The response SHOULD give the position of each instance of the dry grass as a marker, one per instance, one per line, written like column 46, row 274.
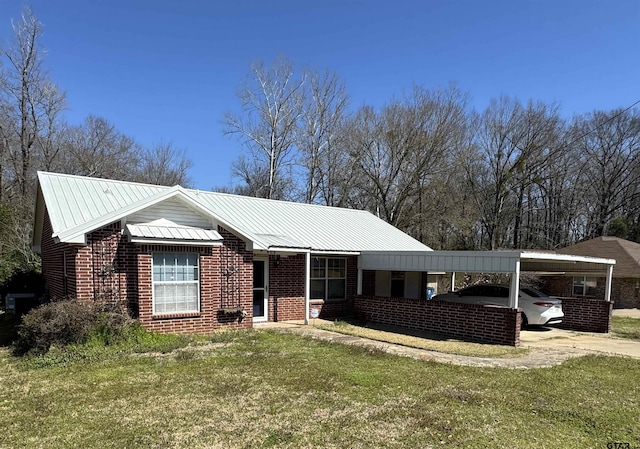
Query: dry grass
column 422, row 340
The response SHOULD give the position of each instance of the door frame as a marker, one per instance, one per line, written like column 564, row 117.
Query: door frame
column 265, row 260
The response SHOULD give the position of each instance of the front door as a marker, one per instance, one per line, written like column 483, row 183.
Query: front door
column 260, row 290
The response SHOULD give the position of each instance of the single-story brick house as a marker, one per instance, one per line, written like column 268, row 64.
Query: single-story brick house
column 188, row 261
column 625, row 286
column 191, row 261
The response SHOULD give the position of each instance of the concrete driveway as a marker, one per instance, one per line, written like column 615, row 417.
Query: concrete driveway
column 552, row 338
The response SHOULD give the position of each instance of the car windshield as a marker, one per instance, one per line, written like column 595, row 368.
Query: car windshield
column 533, row 293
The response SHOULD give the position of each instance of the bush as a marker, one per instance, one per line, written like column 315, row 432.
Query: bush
column 68, row 322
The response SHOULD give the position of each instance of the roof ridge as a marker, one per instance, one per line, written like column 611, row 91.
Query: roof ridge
column 272, row 200
column 199, row 191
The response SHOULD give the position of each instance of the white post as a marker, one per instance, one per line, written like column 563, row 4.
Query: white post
column 453, row 281
column 607, row 288
column 307, row 287
column 514, row 291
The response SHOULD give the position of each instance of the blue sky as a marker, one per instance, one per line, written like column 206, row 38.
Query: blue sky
column 167, row 71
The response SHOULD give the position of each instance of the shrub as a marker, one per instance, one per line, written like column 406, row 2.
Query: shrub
column 68, row 322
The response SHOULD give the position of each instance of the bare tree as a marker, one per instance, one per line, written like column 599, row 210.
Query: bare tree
column 96, row 148
column 609, row 144
column 324, row 105
column 271, row 102
column 399, row 149
column 164, row 165
column 29, row 104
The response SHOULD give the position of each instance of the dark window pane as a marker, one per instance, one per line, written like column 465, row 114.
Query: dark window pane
column 336, row 288
column 317, row 289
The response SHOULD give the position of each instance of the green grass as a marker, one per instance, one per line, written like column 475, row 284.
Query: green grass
column 626, row 327
column 422, row 340
column 258, row 389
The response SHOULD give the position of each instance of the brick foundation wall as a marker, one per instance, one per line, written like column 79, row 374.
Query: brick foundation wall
column 586, row 315
column 495, row 325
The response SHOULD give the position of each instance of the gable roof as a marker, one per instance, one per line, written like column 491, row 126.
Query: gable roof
column 77, row 205
column 625, row 252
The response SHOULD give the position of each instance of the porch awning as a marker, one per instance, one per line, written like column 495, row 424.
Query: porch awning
column 166, row 231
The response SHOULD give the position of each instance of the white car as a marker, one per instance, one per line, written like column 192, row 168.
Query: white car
column 538, row 308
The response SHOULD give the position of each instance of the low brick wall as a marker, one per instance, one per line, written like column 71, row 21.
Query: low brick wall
column 586, row 315
column 485, row 324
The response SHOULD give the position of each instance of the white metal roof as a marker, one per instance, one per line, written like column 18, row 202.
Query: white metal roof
column 482, row 261
column 77, row 205
column 166, row 230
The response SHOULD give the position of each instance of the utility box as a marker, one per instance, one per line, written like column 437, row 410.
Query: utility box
column 20, row 303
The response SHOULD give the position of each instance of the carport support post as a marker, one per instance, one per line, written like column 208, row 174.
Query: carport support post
column 307, row 286
column 453, row 281
column 515, row 286
column 607, row 288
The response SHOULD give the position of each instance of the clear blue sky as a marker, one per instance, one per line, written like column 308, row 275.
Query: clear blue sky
column 165, row 70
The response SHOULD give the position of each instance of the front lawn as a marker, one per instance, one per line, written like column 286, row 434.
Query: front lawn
column 263, row 389
column 626, row 327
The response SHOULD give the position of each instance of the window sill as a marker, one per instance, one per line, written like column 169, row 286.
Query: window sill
column 170, row 316
column 325, row 301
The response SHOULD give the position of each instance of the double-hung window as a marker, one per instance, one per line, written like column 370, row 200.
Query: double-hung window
column 328, row 278
column 175, row 283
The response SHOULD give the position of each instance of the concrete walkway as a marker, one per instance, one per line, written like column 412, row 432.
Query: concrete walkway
column 546, row 349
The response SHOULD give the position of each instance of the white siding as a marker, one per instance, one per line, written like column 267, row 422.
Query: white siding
column 174, row 210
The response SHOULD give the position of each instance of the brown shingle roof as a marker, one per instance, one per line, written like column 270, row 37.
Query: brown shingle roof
column 626, row 253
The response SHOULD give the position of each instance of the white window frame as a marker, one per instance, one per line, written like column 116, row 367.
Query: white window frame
column 326, row 278
column 195, row 282
column 584, row 284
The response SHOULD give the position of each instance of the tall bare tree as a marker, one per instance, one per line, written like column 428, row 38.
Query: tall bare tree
column 271, row 101
column 29, row 105
column 403, row 146
column 324, row 104
column 609, row 144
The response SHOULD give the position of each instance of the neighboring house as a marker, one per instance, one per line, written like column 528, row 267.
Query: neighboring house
column 191, row 261
column 625, row 286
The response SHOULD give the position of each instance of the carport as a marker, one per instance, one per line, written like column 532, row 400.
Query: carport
column 419, row 315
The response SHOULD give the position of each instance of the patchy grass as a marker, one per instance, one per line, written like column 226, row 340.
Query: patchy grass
column 626, row 327
column 258, row 389
column 422, row 340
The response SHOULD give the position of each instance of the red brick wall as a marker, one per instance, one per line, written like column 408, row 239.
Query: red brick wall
column 586, row 315
column 53, row 256
column 496, row 325
column 286, row 287
column 624, row 293
column 215, row 293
